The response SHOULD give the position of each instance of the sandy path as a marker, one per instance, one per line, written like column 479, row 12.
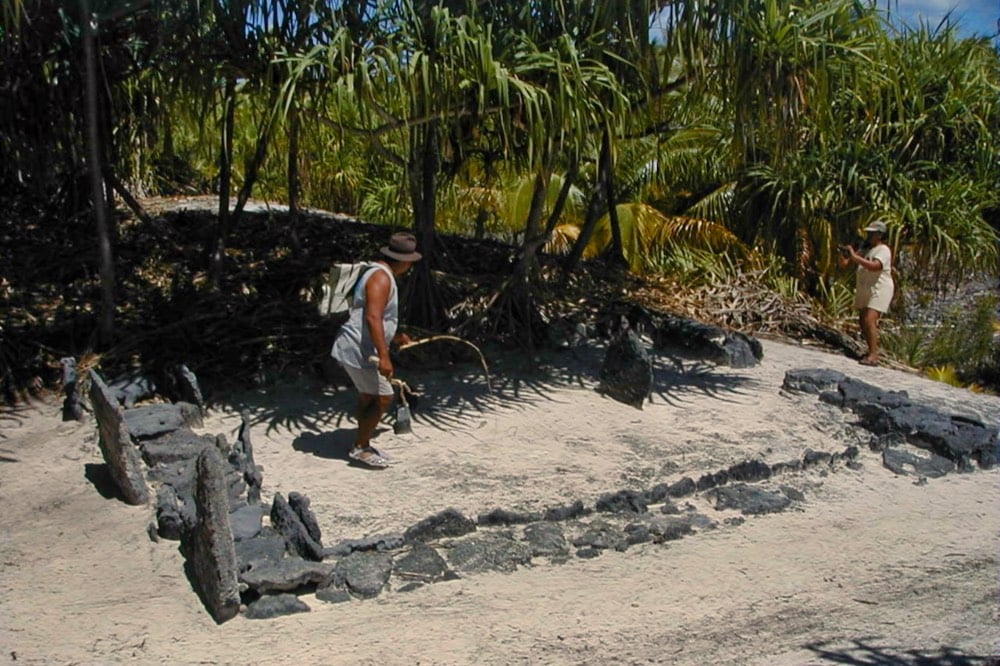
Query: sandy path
column 871, row 566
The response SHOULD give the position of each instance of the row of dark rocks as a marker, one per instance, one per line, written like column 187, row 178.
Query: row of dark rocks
column 209, row 498
column 910, row 435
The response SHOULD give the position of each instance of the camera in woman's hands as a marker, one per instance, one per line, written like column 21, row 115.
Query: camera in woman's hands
column 845, row 250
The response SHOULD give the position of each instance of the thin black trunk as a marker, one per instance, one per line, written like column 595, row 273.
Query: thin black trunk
column 425, row 308
column 595, row 209
column 126, row 196
column 97, row 193
column 259, row 155
column 225, row 181
column 533, row 236
column 616, row 251
column 294, row 181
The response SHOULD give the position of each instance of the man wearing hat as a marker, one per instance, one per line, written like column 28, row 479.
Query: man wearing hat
column 362, row 345
column 874, row 285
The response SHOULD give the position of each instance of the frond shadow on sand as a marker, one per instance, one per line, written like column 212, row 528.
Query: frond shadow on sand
column 449, row 397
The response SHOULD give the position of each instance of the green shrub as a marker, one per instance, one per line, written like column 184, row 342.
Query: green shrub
column 965, row 337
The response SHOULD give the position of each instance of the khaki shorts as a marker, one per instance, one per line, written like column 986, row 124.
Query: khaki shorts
column 368, row 380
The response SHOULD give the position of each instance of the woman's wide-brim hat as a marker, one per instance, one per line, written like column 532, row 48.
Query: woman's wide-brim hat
column 402, row 247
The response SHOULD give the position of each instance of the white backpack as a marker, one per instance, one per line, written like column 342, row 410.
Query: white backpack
column 337, row 291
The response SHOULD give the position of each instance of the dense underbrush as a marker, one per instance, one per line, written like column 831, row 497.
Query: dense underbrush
column 260, row 324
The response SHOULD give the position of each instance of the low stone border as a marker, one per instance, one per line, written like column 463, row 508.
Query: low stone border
column 208, row 497
column 953, row 442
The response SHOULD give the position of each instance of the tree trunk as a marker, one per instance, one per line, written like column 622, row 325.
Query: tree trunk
column 425, row 308
column 225, row 181
column 126, row 196
column 294, row 181
column 534, row 238
column 97, row 193
column 616, row 251
column 530, row 248
column 594, row 210
column 259, row 155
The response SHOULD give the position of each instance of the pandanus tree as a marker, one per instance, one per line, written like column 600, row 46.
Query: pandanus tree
column 778, row 66
column 57, row 63
column 413, row 91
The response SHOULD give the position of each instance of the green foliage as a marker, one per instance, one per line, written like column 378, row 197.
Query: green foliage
column 835, row 299
column 965, row 337
column 964, row 342
column 770, row 124
column 907, row 343
column 944, row 373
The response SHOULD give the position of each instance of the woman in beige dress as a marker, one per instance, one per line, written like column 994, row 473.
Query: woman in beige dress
column 874, row 285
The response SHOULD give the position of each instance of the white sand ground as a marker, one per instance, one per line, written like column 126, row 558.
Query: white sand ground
column 872, row 568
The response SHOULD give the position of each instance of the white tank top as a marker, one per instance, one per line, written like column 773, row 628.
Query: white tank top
column 354, row 345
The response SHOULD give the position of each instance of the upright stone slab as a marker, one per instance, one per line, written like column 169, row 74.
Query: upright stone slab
column 627, row 371
column 190, row 389
column 72, row 409
column 209, row 545
column 116, row 445
column 242, row 459
column 287, row 522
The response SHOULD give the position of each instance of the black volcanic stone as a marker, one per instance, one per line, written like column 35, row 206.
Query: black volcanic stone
column 208, row 545
column 669, row 508
column 601, row 535
column 115, row 442
column 288, row 523
column 169, row 523
column 275, row 605
column 72, row 408
column 151, row 421
column 546, row 540
column 505, row 517
column 422, row 563
column 812, row 458
column 750, row 500
column 333, row 595
column 285, row 575
column 930, row 465
column 363, row 574
column 658, row 493
column 381, row 542
column 176, row 446
column 488, row 552
column 627, row 372
column 749, row 471
column 636, row 533
column 787, row 466
column 812, row 380
column 669, row 528
column 447, row 523
column 245, row 521
column 682, row 488
column 266, row 547
column 712, row 480
column 300, row 505
column 566, row 512
column 623, row 501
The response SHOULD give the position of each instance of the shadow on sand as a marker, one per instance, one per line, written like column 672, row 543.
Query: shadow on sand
column 330, row 445
column 450, row 397
column 99, row 474
column 865, row 652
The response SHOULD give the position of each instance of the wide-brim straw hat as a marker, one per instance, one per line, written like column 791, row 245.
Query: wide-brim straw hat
column 402, row 247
